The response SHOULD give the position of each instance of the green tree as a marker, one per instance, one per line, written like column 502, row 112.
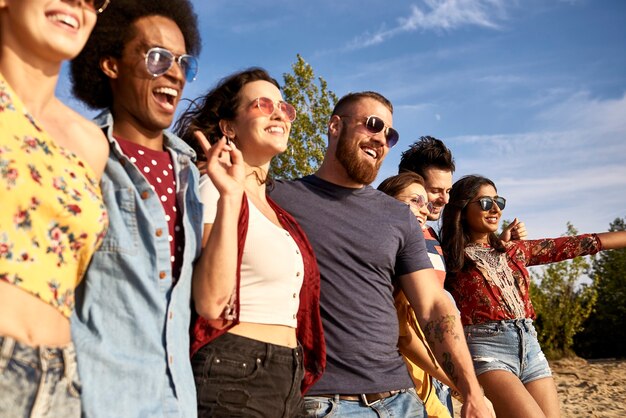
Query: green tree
column 314, row 103
column 562, row 303
column 605, row 330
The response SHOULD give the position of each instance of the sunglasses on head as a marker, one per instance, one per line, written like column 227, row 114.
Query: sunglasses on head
column 160, row 60
column 267, row 106
column 418, row 202
column 96, row 6
column 486, row 203
column 374, row 125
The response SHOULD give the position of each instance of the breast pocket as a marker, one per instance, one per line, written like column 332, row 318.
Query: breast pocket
column 123, row 233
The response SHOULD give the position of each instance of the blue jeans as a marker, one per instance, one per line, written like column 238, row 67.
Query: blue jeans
column 38, row 381
column 509, row 345
column 443, row 393
column 242, row 377
column 404, row 404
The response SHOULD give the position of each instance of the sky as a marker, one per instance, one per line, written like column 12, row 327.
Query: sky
column 530, row 93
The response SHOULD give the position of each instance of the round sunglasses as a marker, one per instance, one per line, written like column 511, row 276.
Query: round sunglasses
column 486, row 203
column 374, row 125
column 418, row 202
column 267, row 106
column 96, row 6
column 160, row 60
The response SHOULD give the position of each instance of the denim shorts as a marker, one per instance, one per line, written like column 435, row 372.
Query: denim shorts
column 406, row 403
column 38, row 381
column 240, row 377
column 510, row 345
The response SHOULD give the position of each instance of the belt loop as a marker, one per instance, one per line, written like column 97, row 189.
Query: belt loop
column 69, row 364
column 6, row 352
column 269, row 352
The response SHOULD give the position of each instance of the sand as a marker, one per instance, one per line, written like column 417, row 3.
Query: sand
column 589, row 389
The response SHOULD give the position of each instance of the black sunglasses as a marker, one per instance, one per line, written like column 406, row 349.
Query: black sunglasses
column 486, row 203
column 374, row 125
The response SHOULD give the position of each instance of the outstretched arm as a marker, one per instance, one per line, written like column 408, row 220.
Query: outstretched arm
column 613, row 240
column 443, row 331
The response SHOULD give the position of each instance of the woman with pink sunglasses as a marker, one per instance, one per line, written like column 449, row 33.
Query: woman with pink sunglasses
column 257, row 342
column 52, row 217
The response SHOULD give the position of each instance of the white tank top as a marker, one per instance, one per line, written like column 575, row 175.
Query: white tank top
column 272, row 268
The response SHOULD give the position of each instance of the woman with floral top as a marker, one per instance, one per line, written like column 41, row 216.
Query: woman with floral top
column 490, row 283
column 52, row 217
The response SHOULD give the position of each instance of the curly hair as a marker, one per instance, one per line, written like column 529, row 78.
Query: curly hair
column 113, row 30
column 454, row 229
column 424, row 153
column 394, row 185
column 221, row 102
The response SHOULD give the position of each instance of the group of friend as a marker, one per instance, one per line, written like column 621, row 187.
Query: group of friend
column 133, row 284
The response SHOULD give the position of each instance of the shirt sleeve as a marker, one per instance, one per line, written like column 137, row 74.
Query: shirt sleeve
column 209, row 195
column 552, row 250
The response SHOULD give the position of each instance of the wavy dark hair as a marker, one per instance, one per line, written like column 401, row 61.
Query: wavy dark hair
column 221, row 102
column 394, row 185
column 113, row 30
column 454, row 229
column 426, row 152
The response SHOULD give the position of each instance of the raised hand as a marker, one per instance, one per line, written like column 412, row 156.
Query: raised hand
column 225, row 165
column 516, row 230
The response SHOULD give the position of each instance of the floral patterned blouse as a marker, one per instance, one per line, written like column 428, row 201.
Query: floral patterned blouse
column 52, row 217
column 496, row 285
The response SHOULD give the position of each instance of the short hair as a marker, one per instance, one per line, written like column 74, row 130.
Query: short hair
column 394, row 185
column 424, row 153
column 113, row 30
column 221, row 102
column 350, row 98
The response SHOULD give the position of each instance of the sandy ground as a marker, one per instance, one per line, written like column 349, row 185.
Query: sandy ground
column 589, row 389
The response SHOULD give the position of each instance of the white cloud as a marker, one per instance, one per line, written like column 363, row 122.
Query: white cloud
column 440, row 15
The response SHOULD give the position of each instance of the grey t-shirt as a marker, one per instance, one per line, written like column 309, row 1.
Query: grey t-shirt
column 362, row 239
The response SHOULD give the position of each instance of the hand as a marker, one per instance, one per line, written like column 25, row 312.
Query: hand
column 515, row 230
column 225, row 165
column 482, row 408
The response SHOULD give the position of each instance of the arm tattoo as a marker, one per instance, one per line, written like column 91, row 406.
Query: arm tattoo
column 448, row 367
column 436, row 330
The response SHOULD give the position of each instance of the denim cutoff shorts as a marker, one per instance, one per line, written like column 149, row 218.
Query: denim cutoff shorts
column 509, row 345
column 38, row 382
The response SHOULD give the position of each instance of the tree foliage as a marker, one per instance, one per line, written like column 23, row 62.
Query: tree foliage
column 605, row 330
column 562, row 303
column 314, row 103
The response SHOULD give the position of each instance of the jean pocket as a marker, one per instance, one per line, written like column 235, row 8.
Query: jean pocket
column 223, row 365
column 318, row 407
column 123, row 233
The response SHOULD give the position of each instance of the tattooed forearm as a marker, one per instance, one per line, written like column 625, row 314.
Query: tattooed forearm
column 448, row 367
column 436, row 330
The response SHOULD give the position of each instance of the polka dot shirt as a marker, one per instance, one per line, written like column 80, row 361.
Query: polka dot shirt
column 158, row 169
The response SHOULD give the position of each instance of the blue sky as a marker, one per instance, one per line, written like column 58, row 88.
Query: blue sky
column 530, row 93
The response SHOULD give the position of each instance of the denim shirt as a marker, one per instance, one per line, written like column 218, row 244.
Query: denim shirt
column 131, row 326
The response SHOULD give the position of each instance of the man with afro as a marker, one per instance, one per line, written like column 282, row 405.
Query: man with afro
column 131, row 326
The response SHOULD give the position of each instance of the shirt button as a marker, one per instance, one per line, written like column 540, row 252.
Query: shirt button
column 171, row 359
column 162, row 275
column 294, row 316
column 159, row 232
column 297, row 251
column 145, row 194
column 298, row 274
column 171, row 315
column 294, row 295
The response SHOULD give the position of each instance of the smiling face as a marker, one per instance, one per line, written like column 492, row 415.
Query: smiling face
column 142, row 103
column 359, row 151
column 481, row 223
column 50, row 30
column 259, row 136
column 411, row 193
column 438, row 185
